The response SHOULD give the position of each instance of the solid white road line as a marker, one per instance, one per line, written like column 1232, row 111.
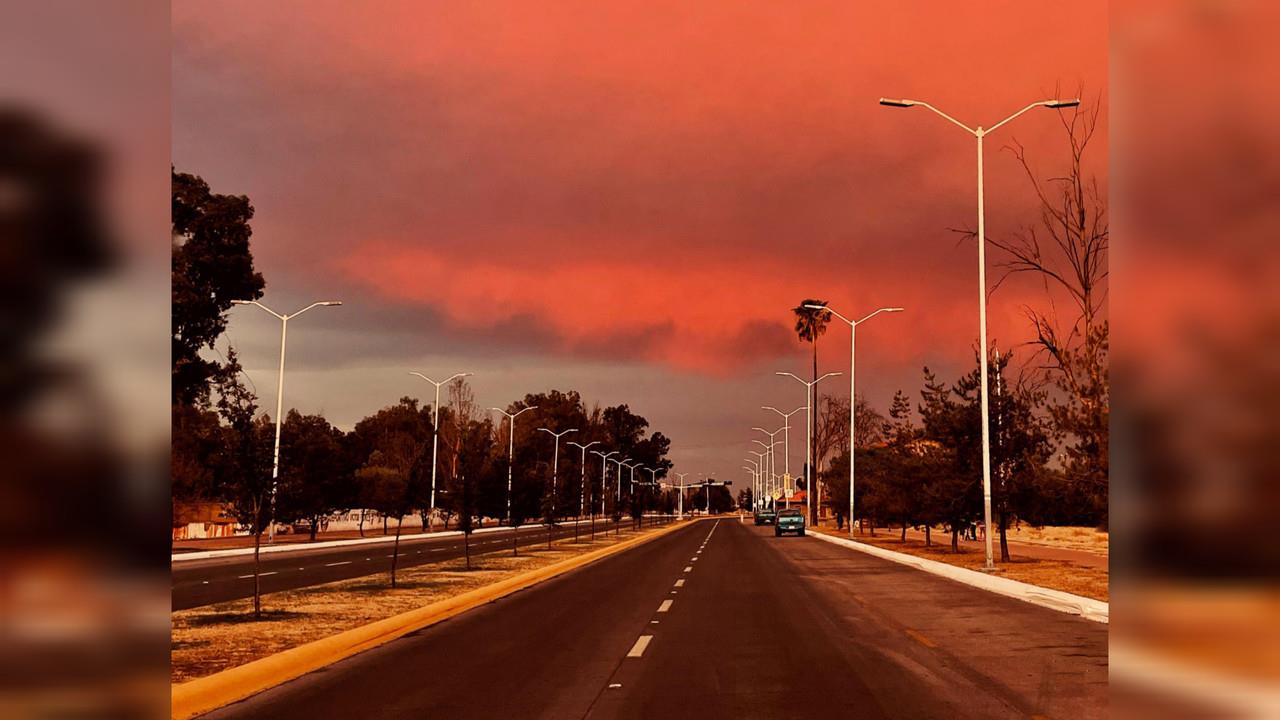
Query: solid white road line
column 637, row 650
column 665, row 606
column 335, row 564
column 265, row 574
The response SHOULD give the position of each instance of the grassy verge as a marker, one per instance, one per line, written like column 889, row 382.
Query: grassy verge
column 209, row 639
column 1056, row 574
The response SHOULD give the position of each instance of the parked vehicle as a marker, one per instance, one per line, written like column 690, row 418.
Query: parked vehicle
column 789, row 521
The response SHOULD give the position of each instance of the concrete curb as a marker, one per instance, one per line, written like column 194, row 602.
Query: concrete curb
column 202, row 695
column 1088, row 608
column 351, row 542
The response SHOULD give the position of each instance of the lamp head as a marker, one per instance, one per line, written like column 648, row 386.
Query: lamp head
column 893, row 102
column 1062, row 103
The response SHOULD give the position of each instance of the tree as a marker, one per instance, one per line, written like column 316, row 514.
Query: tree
column 396, row 442
column 211, row 266
column 745, row 499
column 320, row 477
column 810, row 324
column 1068, row 255
column 956, row 490
column 474, row 462
column 243, row 462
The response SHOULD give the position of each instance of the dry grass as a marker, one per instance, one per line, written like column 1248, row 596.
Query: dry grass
column 1055, row 574
column 1074, row 538
column 216, row 637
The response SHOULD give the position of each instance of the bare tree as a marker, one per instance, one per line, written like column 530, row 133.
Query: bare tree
column 1066, row 252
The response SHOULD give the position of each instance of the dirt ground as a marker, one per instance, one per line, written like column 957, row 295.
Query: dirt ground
column 209, row 639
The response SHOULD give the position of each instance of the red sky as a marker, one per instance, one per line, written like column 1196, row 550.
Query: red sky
column 628, row 189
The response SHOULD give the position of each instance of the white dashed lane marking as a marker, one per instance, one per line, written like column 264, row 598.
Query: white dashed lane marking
column 335, row 564
column 688, row 568
column 638, row 649
column 665, row 606
column 680, row 582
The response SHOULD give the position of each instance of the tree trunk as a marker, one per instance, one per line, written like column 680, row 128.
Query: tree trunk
column 928, row 539
column 315, row 525
column 955, row 539
column 395, row 553
column 1004, row 539
column 515, row 540
column 466, row 548
column 904, row 530
column 384, row 524
column 810, row 490
column 361, row 522
column 257, row 588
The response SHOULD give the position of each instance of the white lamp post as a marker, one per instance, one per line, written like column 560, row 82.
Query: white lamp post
column 762, row 470
column 284, row 336
column 853, row 344
column 809, row 481
column 680, row 491
column 511, row 448
column 786, row 437
column 582, row 491
column 435, row 439
column 604, row 486
column 980, row 133
column 773, row 455
column 555, row 464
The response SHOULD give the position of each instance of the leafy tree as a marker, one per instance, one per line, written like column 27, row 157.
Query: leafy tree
column 810, row 325
column 211, row 266
column 474, row 462
column 319, row 477
column 243, row 464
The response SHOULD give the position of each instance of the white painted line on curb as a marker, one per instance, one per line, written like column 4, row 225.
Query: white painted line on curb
column 637, row 650
column 665, row 606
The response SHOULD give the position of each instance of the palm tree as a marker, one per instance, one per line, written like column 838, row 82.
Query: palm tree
column 811, row 323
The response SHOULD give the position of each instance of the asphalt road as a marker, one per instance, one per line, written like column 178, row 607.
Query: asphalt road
column 723, row 620
column 204, row 582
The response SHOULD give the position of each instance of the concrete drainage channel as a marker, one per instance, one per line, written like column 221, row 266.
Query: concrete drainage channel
column 1088, row 608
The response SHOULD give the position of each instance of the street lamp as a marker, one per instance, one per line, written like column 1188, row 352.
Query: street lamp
column 786, row 437
column 769, row 464
column 755, row 484
column 762, row 471
column 435, row 439
column 511, row 448
column 604, row 486
column 631, row 478
column 680, row 491
column 582, row 494
column 980, row 133
column 284, row 335
column 555, row 464
column 809, row 481
column 853, row 343
column 773, row 456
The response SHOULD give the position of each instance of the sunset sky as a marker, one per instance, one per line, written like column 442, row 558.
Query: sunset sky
column 625, row 199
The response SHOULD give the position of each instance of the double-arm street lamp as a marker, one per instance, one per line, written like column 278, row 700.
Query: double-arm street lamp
column 555, row 464
column 604, row 486
column 284, row 319
column 511, row 448
column 773, row 455
column 762, row 470
column 853, row 401
column 435, row 439
column 582, row 496
column 810, row 480
column 786, row 437
column 980, row 133
column 755, row 486
column 769, row 464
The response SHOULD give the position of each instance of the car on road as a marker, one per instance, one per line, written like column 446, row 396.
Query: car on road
column 789, row 521
column 766, row 517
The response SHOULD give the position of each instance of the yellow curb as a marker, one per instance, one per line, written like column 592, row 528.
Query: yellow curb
column 211, row 692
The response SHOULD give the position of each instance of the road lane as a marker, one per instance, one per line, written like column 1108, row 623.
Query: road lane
column 756, row 627
column 203, row 582
column 545, row 652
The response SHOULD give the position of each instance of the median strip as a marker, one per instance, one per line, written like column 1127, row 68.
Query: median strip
column 204, row 694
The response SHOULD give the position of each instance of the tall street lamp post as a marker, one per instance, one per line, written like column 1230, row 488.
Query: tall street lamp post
column 786, row 437
column 604, row 487
column 853, row 344
column 555, row 464
column 809, row 479
column 582, row 493
column 284, row 319
column 980, row 133
column 511, row 448
column 435, row 439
